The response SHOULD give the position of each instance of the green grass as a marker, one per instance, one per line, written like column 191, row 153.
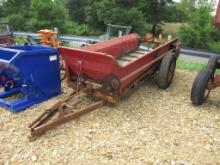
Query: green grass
column 188, row 65
column 192, row 66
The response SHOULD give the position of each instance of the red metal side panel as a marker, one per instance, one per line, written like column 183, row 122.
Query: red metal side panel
column 117, row 46
column 217, row 16
column 91, row 65
column 134, row 70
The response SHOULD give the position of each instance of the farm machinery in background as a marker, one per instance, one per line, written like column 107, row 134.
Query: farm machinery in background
column 49, row 37
column 29, row 74
column 207, row 79
column 104, row 73
column 6, row 35
column 115, row 31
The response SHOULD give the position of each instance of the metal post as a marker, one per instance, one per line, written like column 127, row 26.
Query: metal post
column 57, row 36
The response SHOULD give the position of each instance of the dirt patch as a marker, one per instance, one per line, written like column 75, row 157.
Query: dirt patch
column 152, row 126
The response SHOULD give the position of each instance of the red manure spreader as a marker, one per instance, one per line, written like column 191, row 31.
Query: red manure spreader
column 107, row 71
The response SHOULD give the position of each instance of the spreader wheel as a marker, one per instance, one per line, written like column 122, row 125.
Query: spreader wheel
column 167, row 70
column 200, row 90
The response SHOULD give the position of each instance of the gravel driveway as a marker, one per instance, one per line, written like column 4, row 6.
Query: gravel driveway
column 152, row 126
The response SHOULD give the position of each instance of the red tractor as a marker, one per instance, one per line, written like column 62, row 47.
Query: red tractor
column 6, row 36
column 207, row 79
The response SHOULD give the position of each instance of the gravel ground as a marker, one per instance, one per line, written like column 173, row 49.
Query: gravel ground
column 152, row 126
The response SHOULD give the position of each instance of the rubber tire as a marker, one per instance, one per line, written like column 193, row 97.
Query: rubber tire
column 213, row 60
column 163, row 81
column 200, row 85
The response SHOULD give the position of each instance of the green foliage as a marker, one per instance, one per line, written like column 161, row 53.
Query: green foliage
column 215, row 35
column 90, row 17
column 77, row 10
column 197, row 33
column 97, row 14
column 214, row 46
column 33, row 15
column 16, row 20
column 20, row 40
column 1, row 13
column 155, row 13
column 19, row 7
column 100, row 13
column 178, row 12
column 84, row 17
column 16, row 12
column 74, row 28
column 111, row 12
column 186, row 7
column 47, row 14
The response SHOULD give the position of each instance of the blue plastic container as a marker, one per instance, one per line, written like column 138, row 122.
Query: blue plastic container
column 31, row 73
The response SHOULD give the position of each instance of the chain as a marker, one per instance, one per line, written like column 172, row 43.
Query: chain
column 78, row 81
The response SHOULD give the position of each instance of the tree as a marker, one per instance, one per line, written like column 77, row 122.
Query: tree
column 16, row 12
column 187, row 6
column 77, row 10
column 180, row 12
column 32, row 15
column 197, row 33
column 84, row 16
column 1, row 12
column 121, row 12
column 155, row 13
column 48, row 14
column 98, row 13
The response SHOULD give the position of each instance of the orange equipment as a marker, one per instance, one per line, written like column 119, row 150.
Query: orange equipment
column 49, row 37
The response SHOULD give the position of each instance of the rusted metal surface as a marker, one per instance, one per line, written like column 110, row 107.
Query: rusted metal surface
column 215, row 83
column 63, row 117
column 59, row 112
column 6, row 39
